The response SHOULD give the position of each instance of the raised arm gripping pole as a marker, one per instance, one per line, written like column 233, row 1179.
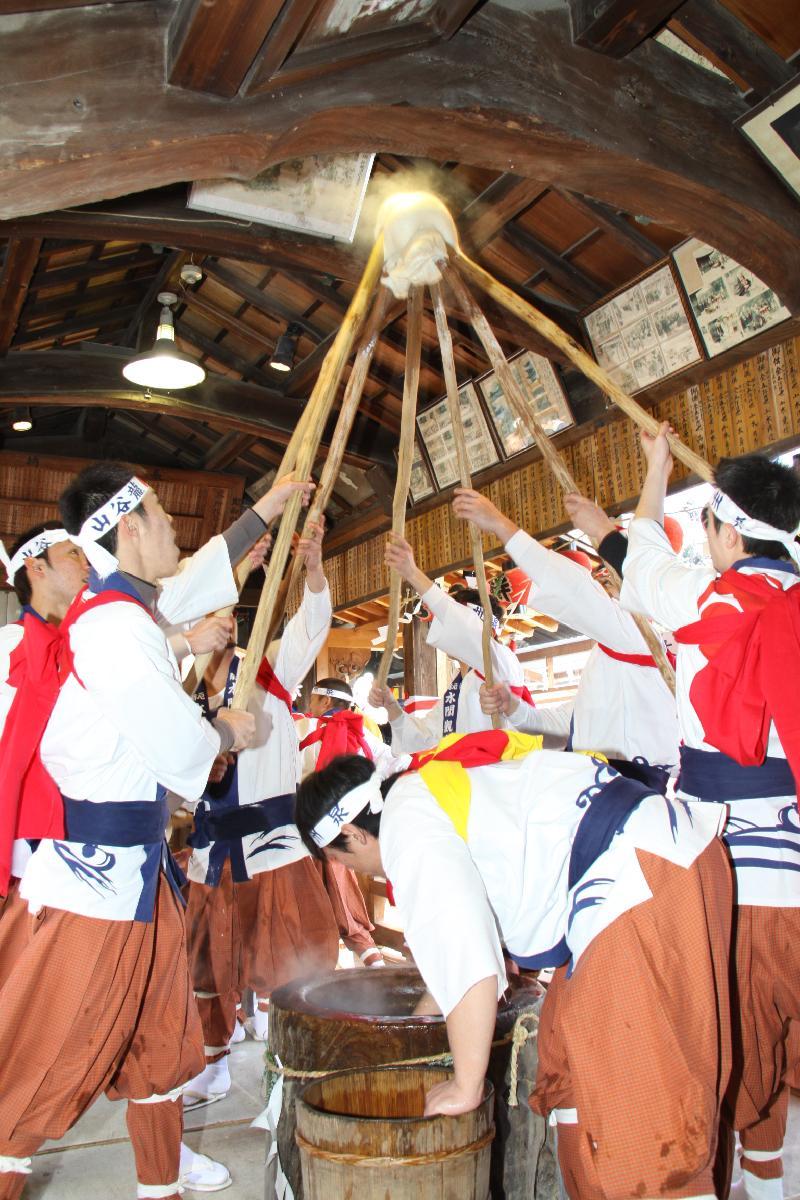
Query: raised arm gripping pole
column 404, row 461
column 454, row 410
column 305, row 448
column 584, row 362
column 524, row 412
column 200, row 665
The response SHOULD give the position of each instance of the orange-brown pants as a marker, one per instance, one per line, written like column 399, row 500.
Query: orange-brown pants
column 14, row 917
column 634, row 1046
column 259, row 935
column 766, row 1041
column 93, row 1006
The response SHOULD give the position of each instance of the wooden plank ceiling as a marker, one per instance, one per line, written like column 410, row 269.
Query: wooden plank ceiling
column 78, row 286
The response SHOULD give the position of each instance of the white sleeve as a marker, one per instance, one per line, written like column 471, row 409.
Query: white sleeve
column 302, row 639
column 10, row 638
column 458, row 631
column 121, row 659
column 656, row 582
column 551, row 720
column 567, row 592
column 410, row 734
column 441, row 898
column 386, row 762
column 203, row 583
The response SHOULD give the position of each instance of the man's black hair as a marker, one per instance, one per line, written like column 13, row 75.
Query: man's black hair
column 318, row 793
column 766, row 491
column 339, row 685
column 465, row 595
column 20, row 583
column 90, row 490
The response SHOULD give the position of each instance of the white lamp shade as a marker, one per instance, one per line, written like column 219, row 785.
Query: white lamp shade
column 164, row 368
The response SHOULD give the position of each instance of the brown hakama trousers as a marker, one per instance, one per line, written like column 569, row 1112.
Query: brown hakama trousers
column 349, row 909
column 93, row 1006
column 257, row 934
column 637, row 1040
column 766, row 1040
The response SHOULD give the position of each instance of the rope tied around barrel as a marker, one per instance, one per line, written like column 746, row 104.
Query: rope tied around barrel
column 520, row 1034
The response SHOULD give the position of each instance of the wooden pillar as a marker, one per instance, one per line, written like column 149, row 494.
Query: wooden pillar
column 419, row 660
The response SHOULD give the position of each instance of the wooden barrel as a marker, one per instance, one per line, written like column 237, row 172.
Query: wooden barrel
column 362, row 1133
column 350, row 1019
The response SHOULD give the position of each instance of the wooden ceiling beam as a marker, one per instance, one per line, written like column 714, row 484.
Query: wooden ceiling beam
column 228, row 322
column 74, row 302
column 612, row 222
column 502, row 201
column 650, row 135
column 227, row 450
column 260, row 300
column 212, row 43
column 207, row 347
column 110, row 318
column 19, row 266
column 615, row 27
column 97, row 267
column 565, row 274
column 93, row 378
column 710, row 26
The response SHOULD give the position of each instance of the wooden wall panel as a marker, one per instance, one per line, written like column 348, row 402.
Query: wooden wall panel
column 753, row 405
column 202, row 503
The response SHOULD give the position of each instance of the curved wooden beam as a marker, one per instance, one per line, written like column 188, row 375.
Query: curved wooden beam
column 652, row 134
column 94, row 379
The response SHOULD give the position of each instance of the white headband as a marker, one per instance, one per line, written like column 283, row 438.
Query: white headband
column 478, row 608
column 366, row 795
column 321, row 691
column 31, row 549
column 729, row 513
column 107, row 517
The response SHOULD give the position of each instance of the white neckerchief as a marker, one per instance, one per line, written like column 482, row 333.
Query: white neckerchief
column 107, row 517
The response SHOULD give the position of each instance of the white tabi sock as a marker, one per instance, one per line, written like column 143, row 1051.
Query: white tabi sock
column 750, row 1187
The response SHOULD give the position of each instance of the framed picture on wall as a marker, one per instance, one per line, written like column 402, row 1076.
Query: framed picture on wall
column 729, row 302
column 644, row 333
column 542, row 389
column 773, row 129
column 436, row 433
column 422, row 484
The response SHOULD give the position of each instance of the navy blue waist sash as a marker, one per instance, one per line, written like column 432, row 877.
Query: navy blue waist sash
column 138, row 823
column 127, row 824
column 602, row 820
column 211, row 826
column 654, row 778
column 714, row 776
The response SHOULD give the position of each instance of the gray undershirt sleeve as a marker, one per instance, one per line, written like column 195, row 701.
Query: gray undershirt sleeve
column 226, row 735
column 243, row 533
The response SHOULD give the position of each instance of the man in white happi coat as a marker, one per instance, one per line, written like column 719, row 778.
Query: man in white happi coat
column 108, row 934
column 490, row 842
column 622, row 708
column 737, row 670
column 258, row 913
column 456, row 629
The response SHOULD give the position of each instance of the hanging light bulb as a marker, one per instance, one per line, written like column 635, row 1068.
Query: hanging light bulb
column 21, row 420
column 285, row 348
column 164, row 367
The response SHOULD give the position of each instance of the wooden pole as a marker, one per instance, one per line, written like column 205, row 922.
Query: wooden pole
column 454, row 410
column 405, row 458
column 524, row 413
column 344, row 424
column 543, row 325
column 321, row 402
column 200, row 665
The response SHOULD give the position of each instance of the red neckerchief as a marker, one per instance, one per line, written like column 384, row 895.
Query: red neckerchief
column 751, row 676
column 340, row 733
column 268, row 680
column 30, row 802
column 516, row 689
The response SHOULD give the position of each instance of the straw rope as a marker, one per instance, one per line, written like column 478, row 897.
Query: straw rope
column 407, row 1160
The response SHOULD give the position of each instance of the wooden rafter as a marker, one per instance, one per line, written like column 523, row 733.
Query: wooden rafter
column 616, row 27
column 612, row 222
column 213, row 42
column 20, row 262
column 711, row 28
